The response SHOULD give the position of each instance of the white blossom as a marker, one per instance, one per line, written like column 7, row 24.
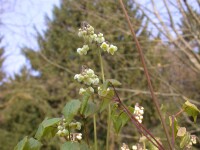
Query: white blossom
column 138, row 112
column 88, row 77
column 112, row 49
column 104, row 46
column 83, row 50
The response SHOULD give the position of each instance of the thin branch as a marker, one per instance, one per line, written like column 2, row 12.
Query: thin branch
column 147, row 75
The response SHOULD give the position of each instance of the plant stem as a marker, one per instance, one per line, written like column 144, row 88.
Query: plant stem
column 147, row 76
column 144, row 145
column 95, row 132
column 109, row 109
column 173, row 136
column 108, row 128
column 101, row 64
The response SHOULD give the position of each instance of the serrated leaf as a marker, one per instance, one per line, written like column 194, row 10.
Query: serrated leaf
column 33, row 144
column 21, row 145
column 84, row 103
column 46, row 128
column 90, row 109
column 106, row 100
column 114, row 82
column 191, row 110
column 70, row 146
column 185, row 140
column 181, row 131
column 71, row 109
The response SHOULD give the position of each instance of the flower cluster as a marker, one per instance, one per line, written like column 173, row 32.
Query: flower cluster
column 138, row 112
column 193, row 140
column 109, row 48
column 88, row 77
column 89, row 89
column 64, row 127
column 125, row 147
column 88, row 34
column 83, row 50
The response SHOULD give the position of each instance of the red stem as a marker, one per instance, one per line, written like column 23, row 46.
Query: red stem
column 138, row 125
column 147, row 75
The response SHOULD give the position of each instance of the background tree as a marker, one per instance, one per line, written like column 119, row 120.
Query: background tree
column 57, row 62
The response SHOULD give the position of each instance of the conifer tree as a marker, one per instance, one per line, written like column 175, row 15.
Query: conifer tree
column 57, row 60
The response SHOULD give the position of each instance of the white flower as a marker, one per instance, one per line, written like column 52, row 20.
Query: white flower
column 59, row 132
column 78, row 125
column 100, row 38
column 125, row 147
column 91, row 89
column 76, row 76
column 88, row 77
column 141, row 111
column 104, row 46
column 134, row 147
column 85, row 47
column 112, row 49
column 65, row 132
column 95, row 81
column 138, row 112
column 79, row 136
column 83, row 50
column 81, row 91
column 90, row 29
column 60, row 127
column 90, row 72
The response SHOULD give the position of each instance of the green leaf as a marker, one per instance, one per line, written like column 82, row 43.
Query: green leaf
column 191, row 110
column 120, row 118
column 50, row 122
column 28, row 144
column 71, row 109
column 21, row 145
column 84, row 103
column 90, row 109
column 185, row 140
column 33, row 144
column 47, row 128
column 74, row 146
column 84, row 146
column 106, row 100
column 116, row 123
column 175, row 125
column 70, row 146
column 114, row 82
column 181, row 131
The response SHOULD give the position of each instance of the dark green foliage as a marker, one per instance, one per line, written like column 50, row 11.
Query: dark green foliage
column 34, row 98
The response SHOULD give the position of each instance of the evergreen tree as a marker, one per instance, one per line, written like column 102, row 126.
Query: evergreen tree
column 57, row 62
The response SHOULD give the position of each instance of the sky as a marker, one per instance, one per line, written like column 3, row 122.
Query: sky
column 19, row 21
